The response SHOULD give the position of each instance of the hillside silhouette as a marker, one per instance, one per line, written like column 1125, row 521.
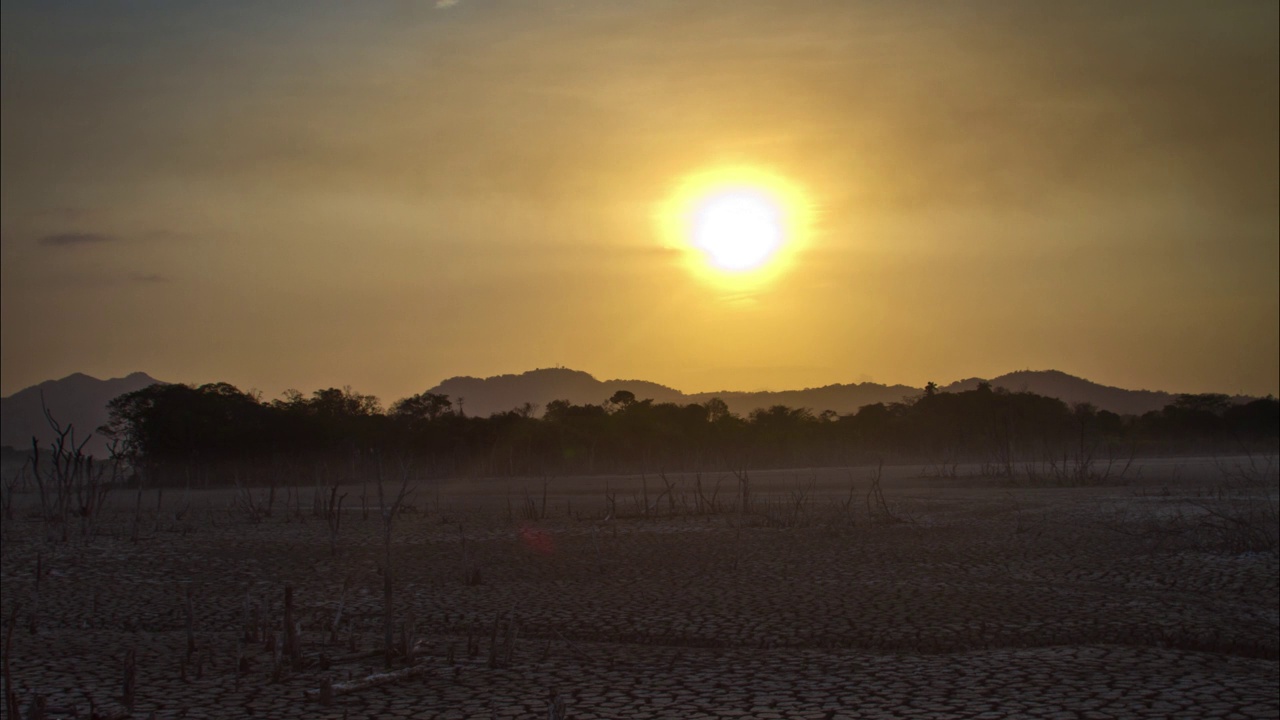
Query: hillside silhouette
column 81, row 400
column 78, row 400
column 485, row 396
column 1071, row 390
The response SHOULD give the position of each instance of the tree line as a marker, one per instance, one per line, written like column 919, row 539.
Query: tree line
column 218, row 433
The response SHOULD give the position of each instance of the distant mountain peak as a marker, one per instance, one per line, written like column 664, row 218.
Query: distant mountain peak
column 1071, row 389
column 499, row 393
column 78, row 400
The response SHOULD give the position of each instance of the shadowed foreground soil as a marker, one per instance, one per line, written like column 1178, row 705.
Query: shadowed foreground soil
column 954, row 599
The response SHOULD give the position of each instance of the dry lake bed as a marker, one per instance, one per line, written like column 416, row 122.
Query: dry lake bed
column 828, row 595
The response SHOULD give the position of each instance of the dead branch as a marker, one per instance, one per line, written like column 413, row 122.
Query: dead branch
column 346, row 688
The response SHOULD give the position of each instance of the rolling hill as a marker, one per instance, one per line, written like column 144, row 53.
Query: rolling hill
column 81, row 400
column 77, row 400
column 483, row 396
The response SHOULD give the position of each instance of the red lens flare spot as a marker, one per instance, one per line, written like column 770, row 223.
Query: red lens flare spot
column 537, row 540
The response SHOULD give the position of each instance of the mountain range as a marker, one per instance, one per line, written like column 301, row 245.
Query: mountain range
column 81, row 400
column 483, row 396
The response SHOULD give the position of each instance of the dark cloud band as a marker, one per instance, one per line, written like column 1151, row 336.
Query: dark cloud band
column 75, row 239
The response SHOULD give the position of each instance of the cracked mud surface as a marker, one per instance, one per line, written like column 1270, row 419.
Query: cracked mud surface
column 988, row 603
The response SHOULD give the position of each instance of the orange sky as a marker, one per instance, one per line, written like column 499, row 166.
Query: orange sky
column 387, row 194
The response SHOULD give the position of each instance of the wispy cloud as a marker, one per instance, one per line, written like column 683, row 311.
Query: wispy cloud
column 74, row 239
column 445, row 4
column 167, row 236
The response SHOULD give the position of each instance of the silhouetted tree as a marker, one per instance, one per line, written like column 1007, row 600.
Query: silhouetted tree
column 423, row 407
column 1255, row 421
column 213, row 432
column 622, row 398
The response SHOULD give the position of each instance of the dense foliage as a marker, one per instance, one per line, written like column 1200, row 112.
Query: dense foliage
column 216, row 432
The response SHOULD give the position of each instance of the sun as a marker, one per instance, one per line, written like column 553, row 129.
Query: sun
column 735, row 225
column 738, row 229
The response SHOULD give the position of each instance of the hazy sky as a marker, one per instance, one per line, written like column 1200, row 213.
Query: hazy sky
column 385, row 194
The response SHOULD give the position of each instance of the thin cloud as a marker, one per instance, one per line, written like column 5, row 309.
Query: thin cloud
column 445, row 4
column 149, row 278
column 75, row 239
column 167, row 236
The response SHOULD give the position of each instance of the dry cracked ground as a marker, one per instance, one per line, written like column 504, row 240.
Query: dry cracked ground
column 952, row 598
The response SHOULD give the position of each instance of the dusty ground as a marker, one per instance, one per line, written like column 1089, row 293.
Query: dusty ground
column 956, row 598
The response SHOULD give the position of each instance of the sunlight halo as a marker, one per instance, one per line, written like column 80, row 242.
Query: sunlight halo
column 737, row 226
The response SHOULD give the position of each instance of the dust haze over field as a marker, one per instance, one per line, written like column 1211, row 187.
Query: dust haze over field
column 346, row 234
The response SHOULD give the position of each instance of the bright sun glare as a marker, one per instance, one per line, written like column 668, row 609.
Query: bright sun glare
column 738, row 230
column 736, row 224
